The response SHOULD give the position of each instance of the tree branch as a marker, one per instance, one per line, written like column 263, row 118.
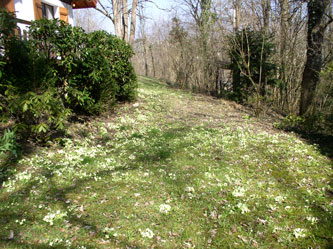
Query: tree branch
column 104, row 11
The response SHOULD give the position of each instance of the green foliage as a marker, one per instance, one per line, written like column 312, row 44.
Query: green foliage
column 109, row 68
column 291, row 123
column 307, row 124
column 177, row 33
column 7, row 26
column 93, row 70
column 324, row 99
column 38, row 113
column 63, row 70
column 8, row 143
column 251, row 52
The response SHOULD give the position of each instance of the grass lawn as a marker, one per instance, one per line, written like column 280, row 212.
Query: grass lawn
column 173, row 170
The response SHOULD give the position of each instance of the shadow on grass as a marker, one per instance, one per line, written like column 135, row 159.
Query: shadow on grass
column 156, row 148
column 57, row 196
column 288, row 184
column 324, row 142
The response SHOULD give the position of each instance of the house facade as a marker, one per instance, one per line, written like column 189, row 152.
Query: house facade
column 30, row 10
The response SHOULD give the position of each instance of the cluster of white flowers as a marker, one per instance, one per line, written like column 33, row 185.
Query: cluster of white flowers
column 279, row 199
column 147, row 233
column 243, row 207
column 238, row 192
column 299, row 233
column 312, row 219
column 172, row 176
column 189, row 189
column 110, row 231
column 165, row 208
column 21, row 222
column 58, row 242
column 51, row 217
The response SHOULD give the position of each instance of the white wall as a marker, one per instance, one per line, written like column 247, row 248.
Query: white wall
column 25, row 10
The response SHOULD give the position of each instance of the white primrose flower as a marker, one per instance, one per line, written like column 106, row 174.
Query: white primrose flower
column 165, row 208
column 147, row 233
column 189, row 189
column 312, row 219
column 243, row 207
column 238, row 192
column 279, row 199
column 51, row 217
column 299, row 233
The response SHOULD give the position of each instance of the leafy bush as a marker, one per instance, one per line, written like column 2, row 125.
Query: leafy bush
column 38, row 113
column 63, row 70
column 9, row 150
column 93, row 70
column 291, row 123
column 8, row 143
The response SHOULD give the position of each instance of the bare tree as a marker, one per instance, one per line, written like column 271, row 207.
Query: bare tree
column 118, row 12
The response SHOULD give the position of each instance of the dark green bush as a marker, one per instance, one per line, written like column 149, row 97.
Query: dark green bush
column 60, row 70
column 93, row 70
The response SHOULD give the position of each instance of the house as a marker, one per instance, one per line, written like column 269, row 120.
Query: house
column 30, row 10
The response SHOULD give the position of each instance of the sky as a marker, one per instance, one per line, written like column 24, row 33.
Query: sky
column 157, row 13
column 151, row 11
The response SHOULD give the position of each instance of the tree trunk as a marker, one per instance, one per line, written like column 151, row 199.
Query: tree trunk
column 133, row 21
column 152, row 60
column 125, row 20
column 315, row 38
column 283, row 36
column 203, row 23
column 266, row 11
column 116, row 5
column 144, row 41
column 236, row 17
column 284, row 10
column 236, row 84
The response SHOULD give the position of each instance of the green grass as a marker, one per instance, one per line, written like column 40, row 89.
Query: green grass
column 173, row 170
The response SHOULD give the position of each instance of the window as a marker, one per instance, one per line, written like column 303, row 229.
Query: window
column 47, row 11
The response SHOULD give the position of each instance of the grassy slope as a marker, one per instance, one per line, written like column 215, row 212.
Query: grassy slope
column 224, row 180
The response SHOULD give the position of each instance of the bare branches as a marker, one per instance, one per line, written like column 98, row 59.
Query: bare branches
column 104, row 11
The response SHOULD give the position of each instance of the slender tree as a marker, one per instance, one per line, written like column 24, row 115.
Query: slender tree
column 125, row 21
column 236, row 84
column 133, row 21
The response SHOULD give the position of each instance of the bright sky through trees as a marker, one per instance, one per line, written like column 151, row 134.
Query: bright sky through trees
column 155, row 11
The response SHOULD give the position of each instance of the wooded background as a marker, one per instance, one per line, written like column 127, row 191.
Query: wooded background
column 265, row 53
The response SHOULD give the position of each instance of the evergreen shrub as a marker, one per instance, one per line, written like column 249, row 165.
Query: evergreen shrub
column 59, row 71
